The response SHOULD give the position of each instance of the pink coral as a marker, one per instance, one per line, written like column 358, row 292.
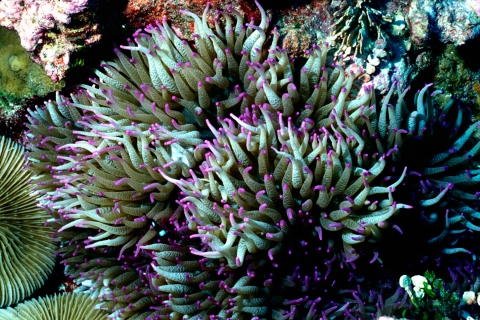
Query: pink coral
column 32, row 18
column 35, row 19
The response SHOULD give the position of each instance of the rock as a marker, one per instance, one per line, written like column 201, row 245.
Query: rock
column 452, row 21
column 52, row 30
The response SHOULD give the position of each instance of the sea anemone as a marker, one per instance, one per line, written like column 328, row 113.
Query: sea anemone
column 140, row 154
column 182, row 178
column 441, row 184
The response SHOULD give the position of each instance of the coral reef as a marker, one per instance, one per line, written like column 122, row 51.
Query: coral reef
column 456, row 78
column 140, row 13
column 308, row 23
column 374, row 39
column 452, row 21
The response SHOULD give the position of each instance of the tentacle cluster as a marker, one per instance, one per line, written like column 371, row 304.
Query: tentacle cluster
column 276, row 173
column 184, row 172
column 447, row 184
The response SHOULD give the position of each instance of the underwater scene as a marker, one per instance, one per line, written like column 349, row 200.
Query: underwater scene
column 239, row 159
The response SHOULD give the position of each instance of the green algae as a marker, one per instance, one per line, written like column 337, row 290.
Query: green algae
column 20, row 77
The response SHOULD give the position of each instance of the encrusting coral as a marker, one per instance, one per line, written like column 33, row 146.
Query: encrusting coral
column 181, row 178
column 26, row 252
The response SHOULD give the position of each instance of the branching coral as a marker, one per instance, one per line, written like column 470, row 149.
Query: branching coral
column 358, row 27
column 26, row 252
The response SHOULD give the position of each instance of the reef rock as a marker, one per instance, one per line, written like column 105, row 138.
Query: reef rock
column 452, row 21
column 51, row 30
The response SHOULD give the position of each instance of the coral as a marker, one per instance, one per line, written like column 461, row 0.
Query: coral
column 452, row 21
column 475, row 5
column 457, row 22
column 55, row 31
column 418, row 21
column 458, row 79
column 303, row 24
column 26, row 254
column 359, row 26
column 435, row 298
column 20, row 77
column 140, row 13
column 21, row 82
column 373, row 38
column 63, row 306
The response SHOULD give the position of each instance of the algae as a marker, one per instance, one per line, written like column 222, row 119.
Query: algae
column 20, row 77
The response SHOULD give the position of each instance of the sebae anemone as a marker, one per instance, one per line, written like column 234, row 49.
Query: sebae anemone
column 213, row 178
